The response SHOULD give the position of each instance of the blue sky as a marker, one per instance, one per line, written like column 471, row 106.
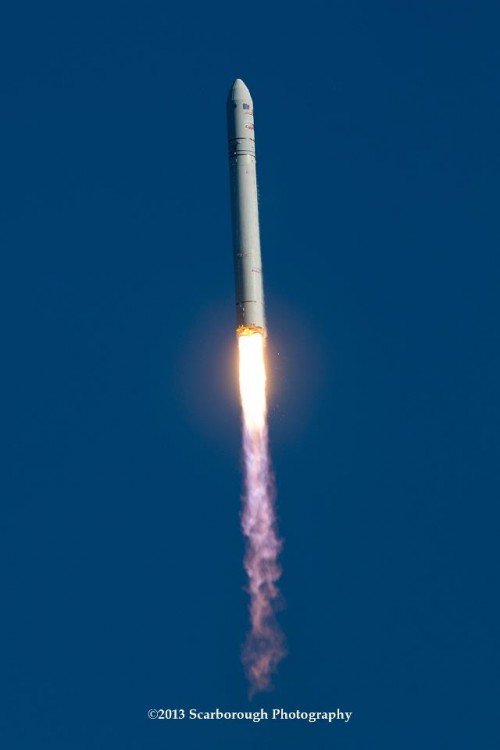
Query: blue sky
column 123, row 589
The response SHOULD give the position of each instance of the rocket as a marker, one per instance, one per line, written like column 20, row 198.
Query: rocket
column 250, row 316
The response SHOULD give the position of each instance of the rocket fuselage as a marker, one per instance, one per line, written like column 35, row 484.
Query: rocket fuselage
column 245, row 210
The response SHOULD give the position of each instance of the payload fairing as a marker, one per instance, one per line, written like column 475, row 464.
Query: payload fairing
column 250, row 316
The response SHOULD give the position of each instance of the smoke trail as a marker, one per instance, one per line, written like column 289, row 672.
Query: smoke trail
column 264, row 646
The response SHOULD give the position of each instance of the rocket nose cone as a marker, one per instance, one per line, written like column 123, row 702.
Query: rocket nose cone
column 240, row 91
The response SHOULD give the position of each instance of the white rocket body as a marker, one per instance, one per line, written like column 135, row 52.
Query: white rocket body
column 245, row 210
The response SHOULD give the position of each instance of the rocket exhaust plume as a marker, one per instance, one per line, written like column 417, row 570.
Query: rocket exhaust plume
column 264, row 646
